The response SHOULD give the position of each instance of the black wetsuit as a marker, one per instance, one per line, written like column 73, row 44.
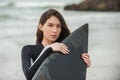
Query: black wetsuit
column 32, row 52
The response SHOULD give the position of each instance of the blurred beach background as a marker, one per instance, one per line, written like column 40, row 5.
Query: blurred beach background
column 18, row 24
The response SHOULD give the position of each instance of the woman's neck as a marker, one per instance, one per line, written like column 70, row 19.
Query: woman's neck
column 46, row 43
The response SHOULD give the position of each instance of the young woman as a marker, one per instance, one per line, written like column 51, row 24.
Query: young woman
column 52, row 29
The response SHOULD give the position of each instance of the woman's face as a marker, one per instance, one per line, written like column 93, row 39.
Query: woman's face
column 51, row 29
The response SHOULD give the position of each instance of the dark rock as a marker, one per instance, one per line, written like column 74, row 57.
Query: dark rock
column 96, row 5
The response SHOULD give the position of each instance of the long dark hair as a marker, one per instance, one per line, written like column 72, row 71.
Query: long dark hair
column 46, row 15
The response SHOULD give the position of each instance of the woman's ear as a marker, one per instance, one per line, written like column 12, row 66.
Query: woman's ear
column 40, row 27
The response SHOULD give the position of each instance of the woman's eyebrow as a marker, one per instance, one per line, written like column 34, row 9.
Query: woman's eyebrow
column 53, row 23
column 49, row 23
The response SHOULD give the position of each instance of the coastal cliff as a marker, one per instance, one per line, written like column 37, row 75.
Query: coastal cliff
column 95, row 5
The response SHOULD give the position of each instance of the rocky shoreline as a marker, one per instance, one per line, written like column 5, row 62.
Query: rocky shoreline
column 95, row 5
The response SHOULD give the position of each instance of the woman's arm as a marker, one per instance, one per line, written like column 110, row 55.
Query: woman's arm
column 28, row 69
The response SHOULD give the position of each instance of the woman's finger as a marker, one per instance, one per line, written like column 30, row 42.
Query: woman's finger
column 64, row 48
column 85, row 56
column 88, row 62
column 63, row 51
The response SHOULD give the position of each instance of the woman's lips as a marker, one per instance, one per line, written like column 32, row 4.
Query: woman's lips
column 54, row 36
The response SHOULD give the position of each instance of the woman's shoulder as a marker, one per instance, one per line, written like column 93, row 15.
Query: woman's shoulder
column 32, row 47
column 28, row 47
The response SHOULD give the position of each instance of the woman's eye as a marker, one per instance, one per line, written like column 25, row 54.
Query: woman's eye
column 50, row 25
column 59, row 26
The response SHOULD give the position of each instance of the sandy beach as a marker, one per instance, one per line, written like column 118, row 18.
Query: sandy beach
column 19, row 28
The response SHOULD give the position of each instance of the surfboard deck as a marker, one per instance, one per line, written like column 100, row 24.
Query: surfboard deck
column 67, row 67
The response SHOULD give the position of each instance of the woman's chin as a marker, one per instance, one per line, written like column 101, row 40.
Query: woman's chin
column 53, row 40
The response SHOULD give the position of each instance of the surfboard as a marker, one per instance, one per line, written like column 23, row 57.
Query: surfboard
column 67, row 67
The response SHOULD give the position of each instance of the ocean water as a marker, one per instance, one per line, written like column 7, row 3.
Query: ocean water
column 18, row 25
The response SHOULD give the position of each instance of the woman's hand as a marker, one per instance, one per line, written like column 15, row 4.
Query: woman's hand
column 60, row 47
column 86, row 59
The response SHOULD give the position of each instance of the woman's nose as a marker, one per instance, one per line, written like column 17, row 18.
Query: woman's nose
column 54, row 29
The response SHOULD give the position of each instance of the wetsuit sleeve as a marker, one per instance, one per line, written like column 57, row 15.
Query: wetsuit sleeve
column 30, row 70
